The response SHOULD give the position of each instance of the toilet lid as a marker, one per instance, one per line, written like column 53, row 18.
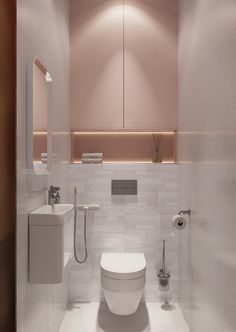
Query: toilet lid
column 123, row 265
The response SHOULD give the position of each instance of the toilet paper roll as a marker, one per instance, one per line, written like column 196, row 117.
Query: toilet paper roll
column 179, row 222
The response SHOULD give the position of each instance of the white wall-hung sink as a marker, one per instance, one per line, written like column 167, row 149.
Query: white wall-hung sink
column 56, row 214
column 50, row 243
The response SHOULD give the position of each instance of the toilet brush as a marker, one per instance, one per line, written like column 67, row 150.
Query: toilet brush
column 164, row 279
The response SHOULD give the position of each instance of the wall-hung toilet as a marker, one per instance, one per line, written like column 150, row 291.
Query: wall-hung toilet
column 123, row 280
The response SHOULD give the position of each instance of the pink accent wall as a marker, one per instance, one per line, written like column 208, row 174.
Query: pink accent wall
column 96, row 64
column 123, row 64
column 150, row 62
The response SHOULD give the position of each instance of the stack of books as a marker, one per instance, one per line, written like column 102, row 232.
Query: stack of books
column 92, row 158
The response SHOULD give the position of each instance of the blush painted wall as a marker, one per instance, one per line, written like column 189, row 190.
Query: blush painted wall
column 207, row 145
column 96, row 64
column 150, row 64
column 123, row 64
column 42, row 32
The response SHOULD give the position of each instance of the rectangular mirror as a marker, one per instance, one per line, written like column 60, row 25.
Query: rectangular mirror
column 39, row 138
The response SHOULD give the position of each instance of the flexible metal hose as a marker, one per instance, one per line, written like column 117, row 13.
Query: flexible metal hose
column 85, row 238
column 75, row 232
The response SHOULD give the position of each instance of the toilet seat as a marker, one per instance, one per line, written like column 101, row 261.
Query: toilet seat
column 123, row 266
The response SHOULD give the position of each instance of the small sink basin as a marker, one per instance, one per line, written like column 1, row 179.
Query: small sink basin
column 57, row 214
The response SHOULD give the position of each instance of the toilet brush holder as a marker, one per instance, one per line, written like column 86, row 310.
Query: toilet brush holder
column 164, row 286
column 164, row 278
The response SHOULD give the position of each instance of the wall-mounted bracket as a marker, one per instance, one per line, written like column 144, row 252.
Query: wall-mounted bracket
column 184, row 212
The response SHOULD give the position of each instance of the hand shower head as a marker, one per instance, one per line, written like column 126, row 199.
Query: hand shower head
column 75, row 198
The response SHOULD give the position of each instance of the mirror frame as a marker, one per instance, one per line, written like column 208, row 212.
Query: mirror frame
column 29, row 137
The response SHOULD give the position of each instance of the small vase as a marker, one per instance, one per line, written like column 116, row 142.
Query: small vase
column 156, row 157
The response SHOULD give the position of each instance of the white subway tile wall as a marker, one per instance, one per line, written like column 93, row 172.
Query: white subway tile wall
column 125, row 223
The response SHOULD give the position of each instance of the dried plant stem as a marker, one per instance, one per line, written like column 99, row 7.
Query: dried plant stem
column 157, row 140
column 157, row 143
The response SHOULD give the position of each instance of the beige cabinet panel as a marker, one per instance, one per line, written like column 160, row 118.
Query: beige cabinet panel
column 150, row 64
column 96, row 97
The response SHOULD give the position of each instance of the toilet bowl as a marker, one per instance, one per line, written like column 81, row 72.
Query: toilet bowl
column 123, row 281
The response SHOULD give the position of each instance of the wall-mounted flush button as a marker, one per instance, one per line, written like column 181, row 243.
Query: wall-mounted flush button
column 124, row 187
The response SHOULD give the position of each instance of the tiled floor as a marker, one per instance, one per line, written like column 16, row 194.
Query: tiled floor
column 96, row 317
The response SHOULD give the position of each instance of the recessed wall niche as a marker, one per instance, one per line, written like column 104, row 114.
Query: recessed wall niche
column 123, row 146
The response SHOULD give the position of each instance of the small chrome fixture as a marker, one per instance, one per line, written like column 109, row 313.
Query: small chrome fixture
column 184, row 212
column 54, row 195
column 88, row 207
column 164, row 280
column 48, row 77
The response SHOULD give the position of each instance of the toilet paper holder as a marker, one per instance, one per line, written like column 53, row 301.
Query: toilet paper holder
column 179, row 221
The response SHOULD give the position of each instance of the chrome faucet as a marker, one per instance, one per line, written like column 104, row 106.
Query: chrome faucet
column 54, row 195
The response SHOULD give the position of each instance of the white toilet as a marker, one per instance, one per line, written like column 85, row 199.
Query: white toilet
column 123, row 280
